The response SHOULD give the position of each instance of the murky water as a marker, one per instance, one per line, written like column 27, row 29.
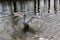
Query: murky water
column 46, row 26
column 6, row 20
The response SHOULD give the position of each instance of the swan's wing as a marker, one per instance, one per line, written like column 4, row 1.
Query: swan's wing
column 37, row 17
column 30, row 19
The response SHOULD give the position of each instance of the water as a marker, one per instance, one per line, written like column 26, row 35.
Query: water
column 6, row 20
column 47, row 26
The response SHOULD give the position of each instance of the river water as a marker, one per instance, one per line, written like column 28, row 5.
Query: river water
column 47, row 26
column 6, row 29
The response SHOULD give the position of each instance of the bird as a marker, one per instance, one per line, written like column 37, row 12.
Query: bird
column 26, row 23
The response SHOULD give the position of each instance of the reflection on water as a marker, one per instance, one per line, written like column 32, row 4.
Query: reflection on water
column 26, row 7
